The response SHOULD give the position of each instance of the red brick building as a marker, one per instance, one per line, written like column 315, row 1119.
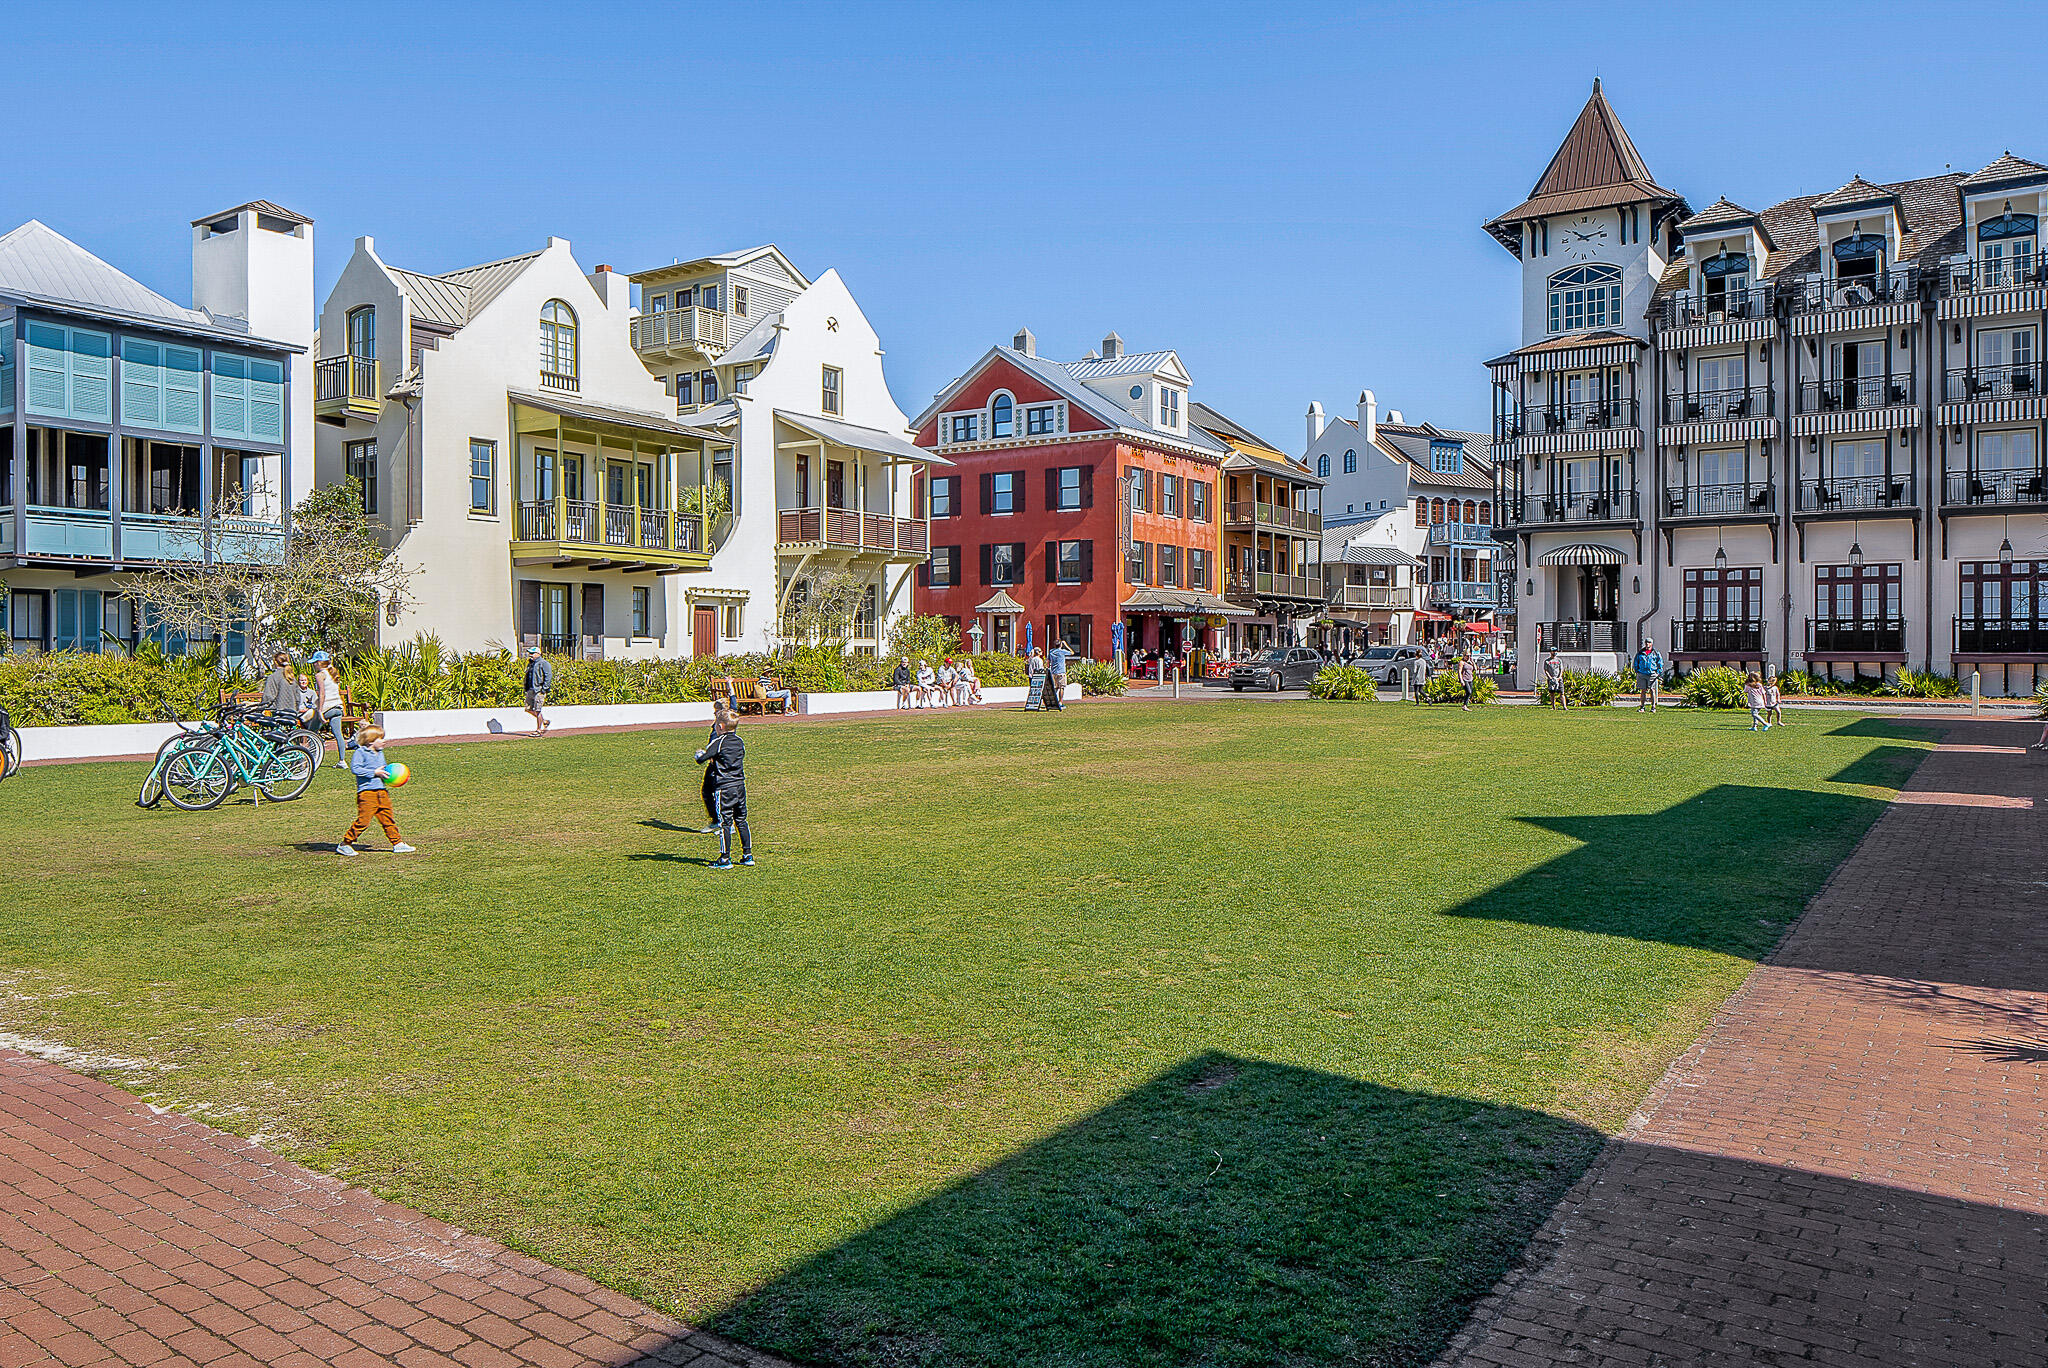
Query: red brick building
column 1082, row 495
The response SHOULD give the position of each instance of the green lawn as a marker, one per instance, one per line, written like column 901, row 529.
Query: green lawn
column 1233, row 1034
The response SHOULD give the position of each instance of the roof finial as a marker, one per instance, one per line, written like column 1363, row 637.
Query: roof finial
column 1596, row 85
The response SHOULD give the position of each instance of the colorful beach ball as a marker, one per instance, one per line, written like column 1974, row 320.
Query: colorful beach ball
column 395, row 774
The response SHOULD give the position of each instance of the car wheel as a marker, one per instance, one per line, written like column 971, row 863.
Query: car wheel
column 1237, row 688
column 1273, row 685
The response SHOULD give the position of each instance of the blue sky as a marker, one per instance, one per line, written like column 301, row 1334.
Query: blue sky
column 1290, row 196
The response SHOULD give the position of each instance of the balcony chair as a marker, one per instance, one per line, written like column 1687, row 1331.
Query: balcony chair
column 1761, row 500
column 1738, row 407
column 1674, row 503
column 1979, row 491
column 2032, row 489
column 1825, row 498
column 1976, row 387
column 2022, row 382
column 1693, row 410
column 1895, row 493
column 1901, row 392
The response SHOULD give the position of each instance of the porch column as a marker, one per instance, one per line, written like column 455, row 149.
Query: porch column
column 561, row 485
column 633, row 476
column 18, row 495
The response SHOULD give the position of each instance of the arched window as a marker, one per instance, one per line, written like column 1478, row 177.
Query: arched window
column 1350, row 463
column 1454, row 512
column 362, row 333
column 1422, row 512
column 1436, row 510
column 557, row 345
column 1471, row 511
column 1486, row 512
column 1002, row 417
column 1585, row 297
column 1323, row 465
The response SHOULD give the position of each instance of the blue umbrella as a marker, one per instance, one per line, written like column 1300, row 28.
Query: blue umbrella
column 1027, row 637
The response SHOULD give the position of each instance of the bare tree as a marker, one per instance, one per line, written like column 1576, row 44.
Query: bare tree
column 822, row 610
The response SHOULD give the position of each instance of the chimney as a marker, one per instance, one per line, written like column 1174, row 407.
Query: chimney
column 1394, row 417
column 1091, row 356
column 1112, row 347
column 1024, row 342
column 1369, row 415
column 1315, row 422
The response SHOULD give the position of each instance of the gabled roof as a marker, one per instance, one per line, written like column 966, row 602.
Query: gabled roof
column 263, row 207
column 39, row 265
column 1855, row 194
column 486, row 282
column 1058, row 376
column 2008, row 170
column 755, row 343
column 1248, row 449
column 724, row 261
column 1595, row 167
column 455, row 297
column 1724, row 213
column 1596, row 338
column 1130, row 363
column 1411, row 443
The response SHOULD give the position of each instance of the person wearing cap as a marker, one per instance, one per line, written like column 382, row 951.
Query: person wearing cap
column 540, row 677
column 1649, row 675
column 324, row 707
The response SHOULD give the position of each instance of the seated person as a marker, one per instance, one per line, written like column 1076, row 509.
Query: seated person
column 970, row 683
column 772, row 690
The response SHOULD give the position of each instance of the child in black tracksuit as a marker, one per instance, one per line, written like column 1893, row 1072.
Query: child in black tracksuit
column 726, row 756
column 718, row 715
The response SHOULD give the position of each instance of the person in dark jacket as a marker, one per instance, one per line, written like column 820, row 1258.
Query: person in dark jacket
column 726, row 759
column 719, row 712
column 901, row 679
column 540, row 677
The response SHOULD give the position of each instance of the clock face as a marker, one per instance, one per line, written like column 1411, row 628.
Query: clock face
column 1584, row 237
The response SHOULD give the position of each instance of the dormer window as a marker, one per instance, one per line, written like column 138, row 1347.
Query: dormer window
column 1724, row 277
column 1585, row 297
column 1169, row 408
column 2006, row 248
column 1446, row 458
column 1860, row 256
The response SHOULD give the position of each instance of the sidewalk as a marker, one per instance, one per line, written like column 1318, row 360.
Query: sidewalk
column 133, row 1237
column 1851, row 1165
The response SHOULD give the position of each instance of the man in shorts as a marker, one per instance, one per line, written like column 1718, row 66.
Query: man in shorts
column 1649, row 675
column 540, row 677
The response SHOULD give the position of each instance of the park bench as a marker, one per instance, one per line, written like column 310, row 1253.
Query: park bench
column 747, row 696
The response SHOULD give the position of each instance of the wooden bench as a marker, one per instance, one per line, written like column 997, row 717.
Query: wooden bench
column 748, row 696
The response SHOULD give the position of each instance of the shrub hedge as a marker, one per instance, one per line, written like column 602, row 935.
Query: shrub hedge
column 1343, row 684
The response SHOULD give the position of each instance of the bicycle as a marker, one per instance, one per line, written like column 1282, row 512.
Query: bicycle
column 10, row 747
column 198, row 770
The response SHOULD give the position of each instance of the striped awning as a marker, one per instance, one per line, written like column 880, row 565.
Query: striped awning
column 1583, row 553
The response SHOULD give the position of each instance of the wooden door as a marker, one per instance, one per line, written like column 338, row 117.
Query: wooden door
column 704, row 631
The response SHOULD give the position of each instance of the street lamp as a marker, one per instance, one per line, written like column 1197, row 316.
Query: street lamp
column 974, row 633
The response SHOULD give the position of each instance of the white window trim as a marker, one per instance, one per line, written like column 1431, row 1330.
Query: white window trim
column 1018, row 420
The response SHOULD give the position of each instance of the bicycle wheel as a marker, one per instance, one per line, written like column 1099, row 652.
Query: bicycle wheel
column 196, row 779
column 10, row 753
column 288, row 772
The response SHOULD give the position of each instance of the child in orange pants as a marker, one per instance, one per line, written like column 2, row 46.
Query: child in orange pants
column 373, row 800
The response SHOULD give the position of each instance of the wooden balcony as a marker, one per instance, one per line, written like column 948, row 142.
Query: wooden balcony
column 347, row 387
column 1266, row 584
column 680, row 332
column 598, row 536
column 1248, row 516
column 846, row 529
column 1386, row 597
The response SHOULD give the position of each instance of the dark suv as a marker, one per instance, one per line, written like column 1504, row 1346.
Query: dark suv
column 1273, row 671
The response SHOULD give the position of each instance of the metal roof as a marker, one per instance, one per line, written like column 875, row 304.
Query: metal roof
column 434, row 299
column 639, row 419
column 1130, row 363
column 39, row 265
column 722, row 261
column 1596, row 165
column 487, row 281
column 1583, row 553
column 755, row 343
column 1373, row 555
column 1181, row 601
column 263, row 207
column 860, row 438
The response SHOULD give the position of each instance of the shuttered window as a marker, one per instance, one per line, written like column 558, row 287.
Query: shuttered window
column 184, row 394
column 70, row 373
column 142, row 383
column 230, row 395
column 6, row 371
column 248, row 398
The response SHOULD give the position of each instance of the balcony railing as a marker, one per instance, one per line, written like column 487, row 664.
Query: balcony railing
column 1716, row 637
column 555, row 380
column 1994, row 382
column 1995, row 273
column 346, row 382
column 1994, row 488
column 1618, row 505
column 2001, row 636
column 1849, row 292
column 1714, row 406
column 1462, row 594
column 849, row 528
column 1582, row 636
column 87, row 534
column 678, row 329
column 1580, row 417
column 1721, row 501
column 1398, row 598
column 1849, row 494
column 1867, row 392
column 1863, row 638
column 1461, row 534
column 1273, row 585
column 580, row 522
column 1245, row 513
column 1686, row 308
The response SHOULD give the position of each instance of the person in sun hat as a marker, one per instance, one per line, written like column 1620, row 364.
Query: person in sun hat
column 540, row 677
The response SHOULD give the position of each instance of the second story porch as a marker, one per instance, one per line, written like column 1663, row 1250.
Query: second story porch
column 843, row 492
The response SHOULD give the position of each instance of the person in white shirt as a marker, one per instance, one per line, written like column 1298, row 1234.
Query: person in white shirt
column 926, row 682
column 947, row 682
column 970, row 684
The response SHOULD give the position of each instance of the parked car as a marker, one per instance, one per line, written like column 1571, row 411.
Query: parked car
column 1386, row 664
column 1290, row 668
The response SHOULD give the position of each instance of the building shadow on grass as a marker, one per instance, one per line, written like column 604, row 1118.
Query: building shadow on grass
column 1228, row 1212
column 1887, row 730
column 1880, row 767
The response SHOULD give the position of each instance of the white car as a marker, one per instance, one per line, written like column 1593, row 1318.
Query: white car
column 1386, row 664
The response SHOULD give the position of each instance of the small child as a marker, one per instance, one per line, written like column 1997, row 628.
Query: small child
column 1753, row 690
column 727, row 756
column 373, row 800
column 1773, row 713
column 719, row 712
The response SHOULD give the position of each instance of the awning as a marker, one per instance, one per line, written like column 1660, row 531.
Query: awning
column 1430, row 615
column 1181, row 603
column 1000, row 602
column 604, row 416
column 1475, row 626
column 871, row 440
column 1583, row 553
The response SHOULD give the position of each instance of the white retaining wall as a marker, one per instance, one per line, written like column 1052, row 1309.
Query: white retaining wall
column 411, row 726
column 94, row 743
column 882, row 700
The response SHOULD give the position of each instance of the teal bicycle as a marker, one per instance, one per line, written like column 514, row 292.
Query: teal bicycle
column 244, row 747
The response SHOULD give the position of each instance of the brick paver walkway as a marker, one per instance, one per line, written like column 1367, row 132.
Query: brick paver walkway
column 1851, row 1165
column 129, row 1236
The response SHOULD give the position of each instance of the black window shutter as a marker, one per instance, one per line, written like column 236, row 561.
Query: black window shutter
column 988, row 495
column 988, row 557
column 1018, row 484
column 1052, row 487
column 1087, row 486
column 924, row 574
column 1087, row 560
column 1052, row 562
column 593, row 610
column 529, row 608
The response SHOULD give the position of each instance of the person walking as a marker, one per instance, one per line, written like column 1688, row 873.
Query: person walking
column 1056, row 661
column 1649, row 675
column 901, row 679
column 540, row 677
column 325, row 707
column 1465, row 682
column 1753, row 691
column 1774, row 711
column 725, row 759
column 373, row 800
column 1553, row 679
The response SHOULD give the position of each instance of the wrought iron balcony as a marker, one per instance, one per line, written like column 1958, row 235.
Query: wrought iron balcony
column 1687, row 308
column 1588, row 415
column 1582, row 636
column 1995, row 273
column 1461, row 534
column 1993, row 382
column 1862, row 392
column 1716, row 638
column 347, row 385
column 2001, row 636
column 1897, row 285
column 1721, row 501
column 1614, row 505
column 1855, row 637
column 1858, row 493
column 1994, row 488
column 1714, row 406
